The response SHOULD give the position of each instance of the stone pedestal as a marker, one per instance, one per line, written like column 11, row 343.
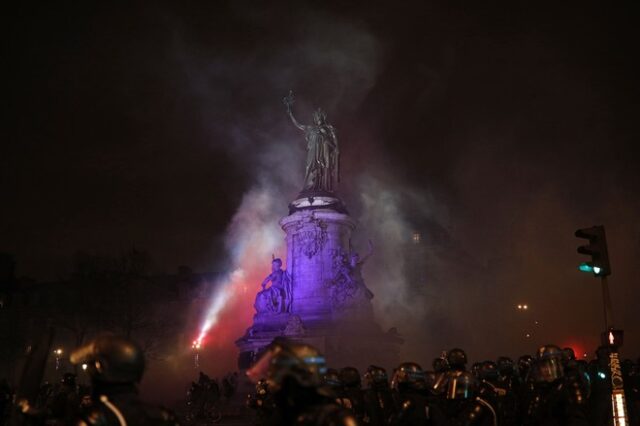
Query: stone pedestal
column 339, row 323
column 316, row 241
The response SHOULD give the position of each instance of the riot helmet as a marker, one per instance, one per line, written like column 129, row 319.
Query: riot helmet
column 350, row 377
column 524, row 365
column 440, row 365
column 457, row 359
column 376, row 377
column 408, row 375
column 331, row 378
column 506, row 366
column 111, row 359
column 285, row 360
column 488, row 371
column 548, row 365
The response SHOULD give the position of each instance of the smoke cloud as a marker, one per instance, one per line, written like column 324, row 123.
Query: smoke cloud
column 333, row 64
column 461, row 283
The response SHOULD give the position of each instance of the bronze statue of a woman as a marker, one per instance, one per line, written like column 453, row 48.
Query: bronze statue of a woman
column 322, row 171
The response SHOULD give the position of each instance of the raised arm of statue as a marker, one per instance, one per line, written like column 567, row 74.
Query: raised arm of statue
column 288, row 101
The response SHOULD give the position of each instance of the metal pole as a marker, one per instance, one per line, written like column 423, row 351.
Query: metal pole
column 606, row 301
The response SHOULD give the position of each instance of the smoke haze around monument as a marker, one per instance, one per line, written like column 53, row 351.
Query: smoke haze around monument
column 493, row 131
column 336, row 64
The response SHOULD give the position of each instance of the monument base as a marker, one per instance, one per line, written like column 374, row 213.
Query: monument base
column 354, row 343
column 321, row 298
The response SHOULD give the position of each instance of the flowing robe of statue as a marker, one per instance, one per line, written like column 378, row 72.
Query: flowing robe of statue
column 322, row 171
column 276, row 298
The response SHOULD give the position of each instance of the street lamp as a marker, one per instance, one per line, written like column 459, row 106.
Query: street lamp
column 196, row 345
column 58, row 353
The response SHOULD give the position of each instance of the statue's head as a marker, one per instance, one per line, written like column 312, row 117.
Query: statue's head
column 276, row 264
column 319, row 117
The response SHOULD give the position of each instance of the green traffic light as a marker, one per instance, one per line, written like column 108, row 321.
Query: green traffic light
column 585, row 267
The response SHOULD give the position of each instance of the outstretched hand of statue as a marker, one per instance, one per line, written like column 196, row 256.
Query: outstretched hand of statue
column 289, row 99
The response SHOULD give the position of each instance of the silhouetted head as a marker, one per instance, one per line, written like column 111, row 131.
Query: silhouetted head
column 524, row 365
column 350, row 377
column 457, row 359
column 376, row 377
column 111, row 359
column 488, row 371
column 332, row 379
column 548, row 364
column 285, row 361
column 440, row 365
column 506, row 367
column 409, row 375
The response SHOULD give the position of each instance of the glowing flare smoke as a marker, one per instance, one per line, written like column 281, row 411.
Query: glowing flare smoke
column 252, row 238
column 218, row 302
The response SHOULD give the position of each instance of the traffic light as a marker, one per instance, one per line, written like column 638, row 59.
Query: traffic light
column 612, row 337
column 597, row 249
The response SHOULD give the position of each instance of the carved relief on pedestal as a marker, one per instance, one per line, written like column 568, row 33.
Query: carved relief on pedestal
column 311, row 237
column 294, row 326
column 346, row 287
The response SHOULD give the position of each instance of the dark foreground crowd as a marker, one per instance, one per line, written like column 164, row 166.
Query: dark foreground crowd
column 551, row 388
column 293, row 386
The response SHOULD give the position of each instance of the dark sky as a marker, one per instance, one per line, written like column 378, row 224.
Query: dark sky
column 504, row 128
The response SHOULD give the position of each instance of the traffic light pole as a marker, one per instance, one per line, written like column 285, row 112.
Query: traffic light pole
column 606, row 301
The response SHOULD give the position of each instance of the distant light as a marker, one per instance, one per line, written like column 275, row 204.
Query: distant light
column 58, row 351
column 619, row 409
column 525, row 307
column 602, row 375
column 584, row 355
column 416, row 237
column 519, row 306
column 84, row 366
column 528, row 335
column 536, row 322
column 596, row 270
column 611, row 339
column 584, row 267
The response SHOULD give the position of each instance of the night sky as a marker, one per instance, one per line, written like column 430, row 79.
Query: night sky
column 496, row 131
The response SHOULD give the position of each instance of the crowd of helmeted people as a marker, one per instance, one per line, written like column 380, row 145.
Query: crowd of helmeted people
column 293, row 386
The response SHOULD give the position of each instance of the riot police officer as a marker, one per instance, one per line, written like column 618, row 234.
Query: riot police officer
column 115, row 366
column 65, row 403
column 293, row 372
column 455, row 360
column 331, row 380
column 262, row 402
column 524, row 366
column 352, row 389
column 378, row 400
column 509, row 381
column 554, row 398
column 462, row 405
column 411, row 395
